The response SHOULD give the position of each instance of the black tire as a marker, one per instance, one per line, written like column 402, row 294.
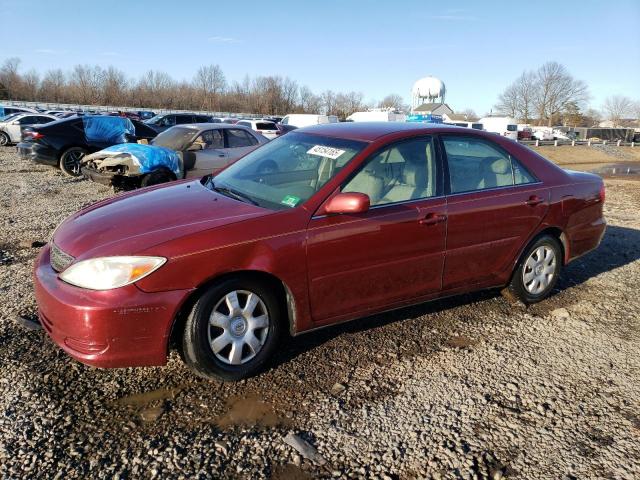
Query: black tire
column 197, row 351
column 70, row 161
column 525, row 276
column 157, row 177
column 4, row 139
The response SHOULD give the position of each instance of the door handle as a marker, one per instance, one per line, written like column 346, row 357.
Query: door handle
column 432, row 219
column 534, row 200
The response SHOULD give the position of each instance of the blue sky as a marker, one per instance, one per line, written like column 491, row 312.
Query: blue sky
column 477, row 48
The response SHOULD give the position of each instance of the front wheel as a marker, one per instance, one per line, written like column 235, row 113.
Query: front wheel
column 70, row 161
column 156, row 178
column 232, row 330
column 538, row 270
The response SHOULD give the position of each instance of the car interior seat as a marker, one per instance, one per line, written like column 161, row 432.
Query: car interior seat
column 416, row 180
column 495, row 172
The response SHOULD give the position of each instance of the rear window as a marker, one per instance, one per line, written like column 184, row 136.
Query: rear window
column 266, row 126
column 512, row 128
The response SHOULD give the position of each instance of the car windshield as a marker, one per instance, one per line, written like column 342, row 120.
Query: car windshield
column 287, row 171
column 6, row 118
column 176, row 138
column 154, row 120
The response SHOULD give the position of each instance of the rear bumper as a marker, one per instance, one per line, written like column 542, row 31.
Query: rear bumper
column 585, row 238
column 124, row 327
column 37, row 153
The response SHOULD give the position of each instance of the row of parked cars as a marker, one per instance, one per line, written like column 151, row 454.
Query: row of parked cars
column 127, row 153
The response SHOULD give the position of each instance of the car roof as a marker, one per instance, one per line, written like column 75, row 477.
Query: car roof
column 209, row 126
column 370, row 131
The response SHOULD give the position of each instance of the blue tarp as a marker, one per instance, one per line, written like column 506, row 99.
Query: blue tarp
column 107, row 129
column 150, row 157
column 424, row 118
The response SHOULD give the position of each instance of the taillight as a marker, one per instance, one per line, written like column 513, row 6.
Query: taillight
column 602, row 193
column 34, row 135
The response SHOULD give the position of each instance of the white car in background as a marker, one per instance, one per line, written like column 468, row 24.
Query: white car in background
column 10, row 129
column 264, row 127
column 503, row 126
column 307, row 119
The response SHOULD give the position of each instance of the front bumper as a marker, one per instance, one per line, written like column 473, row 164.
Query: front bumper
column 124, row 327
column 111, row 178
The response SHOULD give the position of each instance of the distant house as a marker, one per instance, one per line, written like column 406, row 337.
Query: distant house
column 456, row 117
column 433, row 108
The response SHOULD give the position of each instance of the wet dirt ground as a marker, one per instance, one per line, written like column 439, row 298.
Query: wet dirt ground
column 469, row 387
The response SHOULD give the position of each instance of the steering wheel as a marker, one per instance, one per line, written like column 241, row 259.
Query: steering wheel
column 267, row 166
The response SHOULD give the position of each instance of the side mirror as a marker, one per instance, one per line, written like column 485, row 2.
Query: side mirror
column 194, row 147
column 349, row 202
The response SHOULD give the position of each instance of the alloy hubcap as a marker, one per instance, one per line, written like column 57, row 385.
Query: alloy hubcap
column 73, row 161
column 238, row 327
column 539, row 270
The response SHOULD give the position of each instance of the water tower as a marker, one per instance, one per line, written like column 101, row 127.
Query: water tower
column 427, row 90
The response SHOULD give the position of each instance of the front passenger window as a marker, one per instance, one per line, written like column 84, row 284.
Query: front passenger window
column 399, row 173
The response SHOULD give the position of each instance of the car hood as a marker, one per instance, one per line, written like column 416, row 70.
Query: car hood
column 137, row 221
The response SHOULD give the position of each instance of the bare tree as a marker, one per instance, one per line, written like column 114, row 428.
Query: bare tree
column 114, row 86
column 329, row 102
column 470, row 114
column 29, row 86
column 394, row 101
column 53, row 86
column 9, row 77
column 508, row 101
column 309, row 101
column 617, row 107
column 591, row 118
column 211, row 82
column 556, row 88
column 86, row 82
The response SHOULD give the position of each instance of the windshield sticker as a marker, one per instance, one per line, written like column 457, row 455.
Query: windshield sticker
column 290, row 200
column 328, row 152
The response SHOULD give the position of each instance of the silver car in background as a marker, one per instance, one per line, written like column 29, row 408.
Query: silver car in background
column 183, row 151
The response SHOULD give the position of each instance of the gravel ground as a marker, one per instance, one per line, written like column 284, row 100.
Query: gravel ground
column 469, row 387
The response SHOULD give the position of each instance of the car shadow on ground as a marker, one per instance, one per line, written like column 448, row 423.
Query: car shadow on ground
column 619, row 247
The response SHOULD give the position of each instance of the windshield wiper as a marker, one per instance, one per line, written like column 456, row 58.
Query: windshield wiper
column 229, row 192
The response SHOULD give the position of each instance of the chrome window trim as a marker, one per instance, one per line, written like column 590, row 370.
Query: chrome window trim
column 466, row 192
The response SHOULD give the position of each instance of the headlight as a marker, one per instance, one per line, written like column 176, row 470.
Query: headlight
column 106, row 273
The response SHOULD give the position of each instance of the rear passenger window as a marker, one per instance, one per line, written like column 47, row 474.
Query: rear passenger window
column 239, row 138
column 402, row 172
column 477, row 164
column 182, row 119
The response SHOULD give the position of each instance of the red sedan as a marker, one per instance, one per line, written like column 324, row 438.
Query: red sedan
column 322, row 225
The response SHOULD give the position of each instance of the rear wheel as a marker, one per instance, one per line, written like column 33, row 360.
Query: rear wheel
column 538, row 270
column 70, row 161
column 232, row 330
column 157, row 177
column 4, row 139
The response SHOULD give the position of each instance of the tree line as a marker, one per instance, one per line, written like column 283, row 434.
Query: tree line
column 550, row 95
column 208, row 90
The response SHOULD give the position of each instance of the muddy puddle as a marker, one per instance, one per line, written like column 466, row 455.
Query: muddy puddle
column 250, row 411
column 149, row 406
column 629, row 170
